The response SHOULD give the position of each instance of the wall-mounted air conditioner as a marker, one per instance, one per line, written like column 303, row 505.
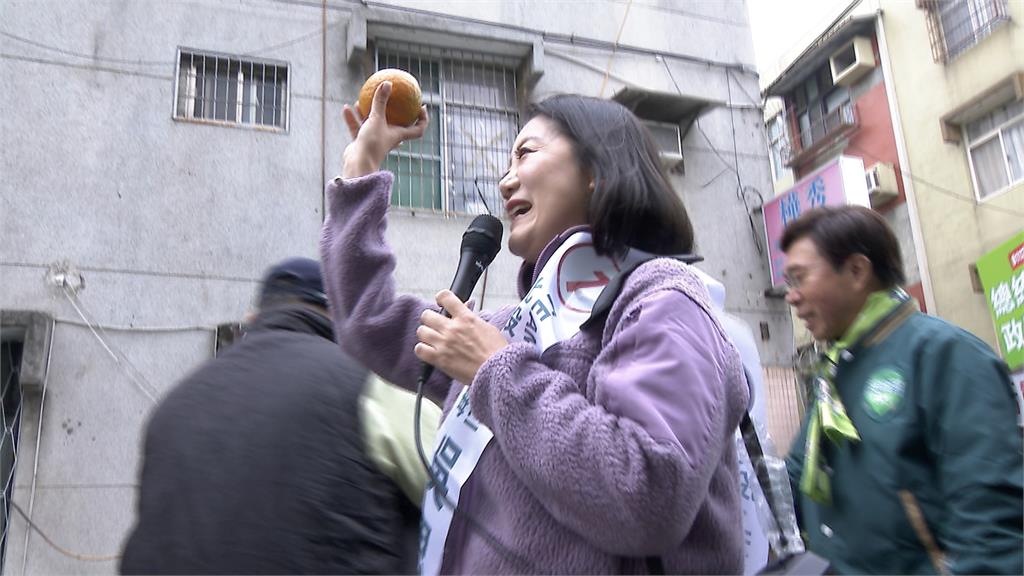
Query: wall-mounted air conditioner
column 852, row 61
column 669, row 144
column 881, row 181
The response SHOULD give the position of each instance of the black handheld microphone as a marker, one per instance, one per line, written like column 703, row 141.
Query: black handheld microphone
column 481, row 242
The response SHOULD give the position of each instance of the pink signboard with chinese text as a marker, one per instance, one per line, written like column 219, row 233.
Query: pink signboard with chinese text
column 839, row 182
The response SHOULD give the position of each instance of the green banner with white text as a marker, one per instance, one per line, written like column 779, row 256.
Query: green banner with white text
column 1002, row 276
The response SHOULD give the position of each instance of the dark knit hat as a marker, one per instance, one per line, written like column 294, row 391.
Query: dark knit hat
column 299, row 277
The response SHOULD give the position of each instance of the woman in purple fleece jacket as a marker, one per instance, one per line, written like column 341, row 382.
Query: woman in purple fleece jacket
column 613, row 441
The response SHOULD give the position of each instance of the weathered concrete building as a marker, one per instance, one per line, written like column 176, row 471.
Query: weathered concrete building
column 157, row 156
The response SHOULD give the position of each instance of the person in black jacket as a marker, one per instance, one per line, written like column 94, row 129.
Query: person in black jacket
column 282, row 455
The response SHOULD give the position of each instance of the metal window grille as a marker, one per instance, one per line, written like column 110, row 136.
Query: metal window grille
column 474, row 118
column 954, row 26
column 220, row 88
column 10, row 418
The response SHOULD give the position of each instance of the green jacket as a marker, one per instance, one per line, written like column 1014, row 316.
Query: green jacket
column 937, row 417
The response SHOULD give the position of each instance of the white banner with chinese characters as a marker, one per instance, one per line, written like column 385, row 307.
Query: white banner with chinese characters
column 755, row 542
column 460, row 444
column 565, row 292
column 1002, row 275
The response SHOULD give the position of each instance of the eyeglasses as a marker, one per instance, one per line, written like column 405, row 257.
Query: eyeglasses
column 793, row 281
column 796, row 278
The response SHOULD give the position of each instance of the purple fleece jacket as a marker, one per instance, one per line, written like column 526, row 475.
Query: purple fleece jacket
column 613, row 446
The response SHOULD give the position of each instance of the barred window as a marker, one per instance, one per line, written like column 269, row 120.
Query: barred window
column 474, row 118
column 10, row 416
column 225, row 89
column 957, row 25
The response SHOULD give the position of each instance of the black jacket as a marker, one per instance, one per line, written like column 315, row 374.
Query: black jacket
column 256, row 464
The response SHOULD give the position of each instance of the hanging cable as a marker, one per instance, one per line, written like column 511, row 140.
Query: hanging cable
column 39, row 436
column 522, row 564
column 940, row 189
column 753, row 101
column 143, row 329
column 615, row 48
column 124, row 61
column 739, row 179
column 58, row 547
column 122, row 362
column 92, row 57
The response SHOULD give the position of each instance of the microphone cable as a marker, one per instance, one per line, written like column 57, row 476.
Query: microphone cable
column 524, row 565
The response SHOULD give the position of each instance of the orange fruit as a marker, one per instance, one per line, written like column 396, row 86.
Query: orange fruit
column 405, row 101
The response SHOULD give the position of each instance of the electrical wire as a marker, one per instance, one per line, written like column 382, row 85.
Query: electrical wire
column 938, row 188
column 58, row 547
column 757, row 103
column 143, row 329
column 138, row 379
column 615, row 48
column 39, row 437
column 739, row 179
column 740, row 189
column 131, row 272
column 492, row 540
column 525, row 566
column 688, row 13
column 124, row 61
column 961, row 197
column 83, row 56
column 559, row 38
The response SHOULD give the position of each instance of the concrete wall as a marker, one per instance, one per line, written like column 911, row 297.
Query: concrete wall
column 956, row 228
column 171, row 223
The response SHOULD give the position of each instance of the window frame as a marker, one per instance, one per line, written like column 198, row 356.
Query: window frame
column 780, row 140
column 996, row 13
column 442, row 57
column 995, row 132
column 818, row 105
column 286, row 106
column 11, row 427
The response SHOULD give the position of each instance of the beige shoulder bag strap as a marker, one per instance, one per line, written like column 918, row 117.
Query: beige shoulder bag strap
column 916, row 518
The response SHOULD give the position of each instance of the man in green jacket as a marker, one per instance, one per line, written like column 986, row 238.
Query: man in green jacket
column 910, row 460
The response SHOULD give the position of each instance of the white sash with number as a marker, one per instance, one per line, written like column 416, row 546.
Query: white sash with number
column 461, row 442
column 554, row 308
column 552, row 311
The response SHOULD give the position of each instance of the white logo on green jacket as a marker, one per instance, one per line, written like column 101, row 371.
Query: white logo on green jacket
column 884, row 392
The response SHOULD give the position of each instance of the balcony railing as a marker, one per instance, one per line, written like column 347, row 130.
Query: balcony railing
column 830, row 128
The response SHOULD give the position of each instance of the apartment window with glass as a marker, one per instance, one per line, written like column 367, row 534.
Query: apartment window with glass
column 474, row 118
column 218, row 88
column 965, row 22
column 995, row 148
column 777, row 144
column 821, row 107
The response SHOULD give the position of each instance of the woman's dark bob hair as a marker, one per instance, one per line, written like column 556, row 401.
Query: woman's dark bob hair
column 633, row 204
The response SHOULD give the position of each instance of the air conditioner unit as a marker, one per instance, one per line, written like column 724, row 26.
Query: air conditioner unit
column 852, row 61
column 881, row 181
column 667, row 140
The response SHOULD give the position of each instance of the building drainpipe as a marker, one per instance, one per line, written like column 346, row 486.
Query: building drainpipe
column 901, row 153
column 323, row 112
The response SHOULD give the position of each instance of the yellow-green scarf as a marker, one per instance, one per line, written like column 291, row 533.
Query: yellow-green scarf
column 827, row 412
